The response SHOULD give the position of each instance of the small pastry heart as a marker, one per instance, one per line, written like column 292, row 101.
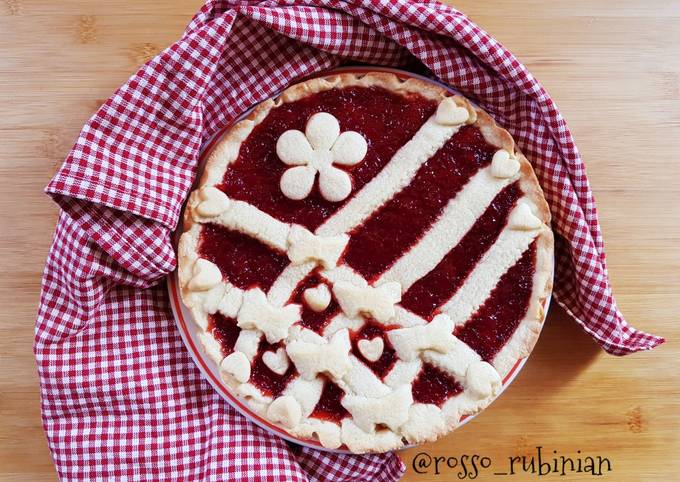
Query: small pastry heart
column 523, row 219
column 285, row 410
column 276, row 361
column 237, row 365
column 213, row 202
column 482, row 379
column 206, row 275
column 503, row 166
column 317, row 298
column 329, row 435
column 372, row 350
column 449, row 113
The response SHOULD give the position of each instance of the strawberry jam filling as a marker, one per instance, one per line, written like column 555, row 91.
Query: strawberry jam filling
column 244, row 261
column 434, row 386
column 225, row 331
column 314, row 320
column 496, row 320
column 269, row 382
column 386, row 120
column 409, row 214
column 329, row 407
column 370, row 331
column 431, row 291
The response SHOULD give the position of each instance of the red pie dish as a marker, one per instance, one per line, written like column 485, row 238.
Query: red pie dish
column 365, row 259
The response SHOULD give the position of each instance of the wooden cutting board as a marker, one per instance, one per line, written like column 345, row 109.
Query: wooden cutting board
column 614, row 69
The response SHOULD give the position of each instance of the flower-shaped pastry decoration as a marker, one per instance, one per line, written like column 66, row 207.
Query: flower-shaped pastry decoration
column 316, row 150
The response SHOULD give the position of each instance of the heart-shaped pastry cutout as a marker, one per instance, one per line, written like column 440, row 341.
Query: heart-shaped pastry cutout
column 237, row 365
column 504, row 166
column 523, row 219
column 449, row 113
column 285, row 410
column 213, row 202
column 206, row 275
column 317, row 298
column 482, row 379
column 276, row 361
column 372, row 350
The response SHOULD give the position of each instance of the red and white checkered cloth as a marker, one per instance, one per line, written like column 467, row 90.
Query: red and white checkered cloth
column 121, row 397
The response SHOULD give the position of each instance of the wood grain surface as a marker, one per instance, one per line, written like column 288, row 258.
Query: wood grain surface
column 614, row 69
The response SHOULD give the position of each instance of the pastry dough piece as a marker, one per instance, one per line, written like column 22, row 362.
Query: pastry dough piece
column 304, row 246
column 376, row 302
column 391, row 410
column 273, row 321
column 436, row 335
column 330, row 357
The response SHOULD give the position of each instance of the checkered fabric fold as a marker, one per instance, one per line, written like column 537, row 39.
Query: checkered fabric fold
column 121, row 397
